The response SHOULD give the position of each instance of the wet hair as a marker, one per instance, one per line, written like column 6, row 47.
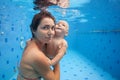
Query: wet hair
column 39, row 4
column 38, row 18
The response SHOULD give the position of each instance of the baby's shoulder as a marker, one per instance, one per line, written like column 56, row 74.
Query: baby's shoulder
column 64, row 41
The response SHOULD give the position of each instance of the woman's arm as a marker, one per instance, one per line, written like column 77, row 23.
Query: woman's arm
column 42, row 66
column 57, row 71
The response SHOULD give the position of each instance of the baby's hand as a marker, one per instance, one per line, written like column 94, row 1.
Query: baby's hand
column 63, row 3
column 49, row 61
column 53, row 1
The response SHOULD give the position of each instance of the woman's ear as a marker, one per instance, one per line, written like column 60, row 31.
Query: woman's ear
column 33, row 31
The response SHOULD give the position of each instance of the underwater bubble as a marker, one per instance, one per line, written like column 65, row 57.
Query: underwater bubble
column 22, row 38
column 83, row 20
column 1, row 33
column 42, row 79
column 64, row 13
column 21, row 6
column 22, row 44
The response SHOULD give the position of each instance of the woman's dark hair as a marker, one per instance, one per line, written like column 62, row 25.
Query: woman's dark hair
column 38, row 4
column 38, row 18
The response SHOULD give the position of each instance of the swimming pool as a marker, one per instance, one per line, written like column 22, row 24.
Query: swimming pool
column 94, row 42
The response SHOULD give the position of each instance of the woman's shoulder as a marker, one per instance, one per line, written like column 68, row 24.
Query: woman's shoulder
column 31, row 49
column 33, row 55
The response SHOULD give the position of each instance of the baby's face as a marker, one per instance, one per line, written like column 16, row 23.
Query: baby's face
column 63, row 26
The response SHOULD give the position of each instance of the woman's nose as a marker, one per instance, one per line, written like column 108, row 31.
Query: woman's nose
column 50, row 33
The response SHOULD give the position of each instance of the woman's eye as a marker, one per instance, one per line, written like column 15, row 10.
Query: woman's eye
column 45, row 27
column 53, row 28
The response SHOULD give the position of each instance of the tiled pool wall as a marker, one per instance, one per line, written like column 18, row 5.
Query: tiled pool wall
column 14, row 31
column 97, row 34
column 101, row 47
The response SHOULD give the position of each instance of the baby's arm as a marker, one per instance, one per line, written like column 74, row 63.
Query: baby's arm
column 60, row 53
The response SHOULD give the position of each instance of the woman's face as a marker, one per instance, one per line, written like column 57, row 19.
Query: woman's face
column 45, row 30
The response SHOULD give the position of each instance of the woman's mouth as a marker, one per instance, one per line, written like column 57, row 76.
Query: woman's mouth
column 49, row 38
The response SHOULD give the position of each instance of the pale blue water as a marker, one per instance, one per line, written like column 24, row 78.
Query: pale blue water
column 94, row 38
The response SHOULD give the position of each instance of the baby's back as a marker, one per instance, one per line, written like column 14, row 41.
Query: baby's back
column 54, row 46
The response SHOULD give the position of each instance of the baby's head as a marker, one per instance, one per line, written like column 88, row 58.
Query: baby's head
column 64, row 26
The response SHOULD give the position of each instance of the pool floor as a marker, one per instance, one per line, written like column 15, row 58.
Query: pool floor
column 74, row 66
